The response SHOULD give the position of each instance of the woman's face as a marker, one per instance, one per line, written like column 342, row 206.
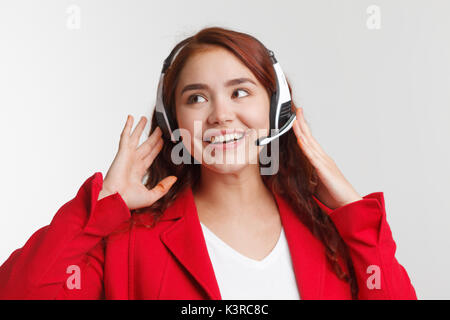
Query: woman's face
column 218, row 98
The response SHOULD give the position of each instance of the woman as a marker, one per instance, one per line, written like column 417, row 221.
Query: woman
column 223, row 230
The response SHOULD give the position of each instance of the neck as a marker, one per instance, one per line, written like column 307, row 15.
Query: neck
column 234, row 195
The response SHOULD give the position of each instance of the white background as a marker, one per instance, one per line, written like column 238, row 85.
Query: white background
column 377, row 100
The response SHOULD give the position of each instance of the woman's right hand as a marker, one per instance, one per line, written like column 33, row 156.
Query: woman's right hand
column 130, row 165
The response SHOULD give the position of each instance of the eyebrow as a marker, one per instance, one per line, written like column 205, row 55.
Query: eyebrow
column 229, row 83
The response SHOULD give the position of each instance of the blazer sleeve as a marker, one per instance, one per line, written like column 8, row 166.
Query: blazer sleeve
column 64, row 260
column 362, row 225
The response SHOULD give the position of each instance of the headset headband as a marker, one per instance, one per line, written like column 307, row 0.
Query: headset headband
column 281, row 115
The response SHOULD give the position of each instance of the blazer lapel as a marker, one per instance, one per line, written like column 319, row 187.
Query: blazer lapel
column 186, row 241
column 307, row 252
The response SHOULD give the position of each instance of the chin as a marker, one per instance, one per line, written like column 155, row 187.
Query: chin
column 227, row 168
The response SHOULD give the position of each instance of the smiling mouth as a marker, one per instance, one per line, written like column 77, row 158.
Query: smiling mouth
column 225, row 138
column 227, row 142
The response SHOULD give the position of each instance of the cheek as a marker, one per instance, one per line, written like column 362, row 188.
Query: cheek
column 190, row 124
column 257, row 116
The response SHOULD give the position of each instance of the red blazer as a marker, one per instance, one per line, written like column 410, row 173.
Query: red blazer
column 171, row 261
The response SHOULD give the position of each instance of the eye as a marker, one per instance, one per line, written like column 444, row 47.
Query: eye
column 237, row 90
column 192, row 97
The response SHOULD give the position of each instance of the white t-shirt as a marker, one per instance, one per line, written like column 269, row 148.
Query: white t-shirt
column 242, row 278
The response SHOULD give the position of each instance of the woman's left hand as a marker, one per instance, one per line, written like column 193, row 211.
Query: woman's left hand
column 333, row 190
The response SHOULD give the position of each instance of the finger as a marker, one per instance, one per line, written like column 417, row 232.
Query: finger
column 296, row 129
column 137, row 132
column 301, row 139
column 304, row 128
column 145, row 148
column 148, row 160
column 161, row 188
column 313, row 156
column 302, row 122
column 126, row 130
column 311, row 153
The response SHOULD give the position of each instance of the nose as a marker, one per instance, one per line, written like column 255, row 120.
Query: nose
column 221, row 112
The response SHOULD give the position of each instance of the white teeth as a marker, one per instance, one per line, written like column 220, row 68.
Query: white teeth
column 227, row 137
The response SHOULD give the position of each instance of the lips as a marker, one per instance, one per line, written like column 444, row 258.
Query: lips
column 232, row 144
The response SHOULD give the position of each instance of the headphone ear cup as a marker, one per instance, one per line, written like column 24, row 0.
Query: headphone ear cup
column 285, row 113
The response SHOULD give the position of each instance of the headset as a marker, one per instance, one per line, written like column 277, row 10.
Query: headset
column 281, row 116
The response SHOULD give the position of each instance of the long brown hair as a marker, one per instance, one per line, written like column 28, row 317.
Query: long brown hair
column 296, row 178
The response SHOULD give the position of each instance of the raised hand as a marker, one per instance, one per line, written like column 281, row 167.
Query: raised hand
column 131, row 163
column 333, row 189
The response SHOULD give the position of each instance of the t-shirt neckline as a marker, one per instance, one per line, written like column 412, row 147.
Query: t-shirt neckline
column 266, row 260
